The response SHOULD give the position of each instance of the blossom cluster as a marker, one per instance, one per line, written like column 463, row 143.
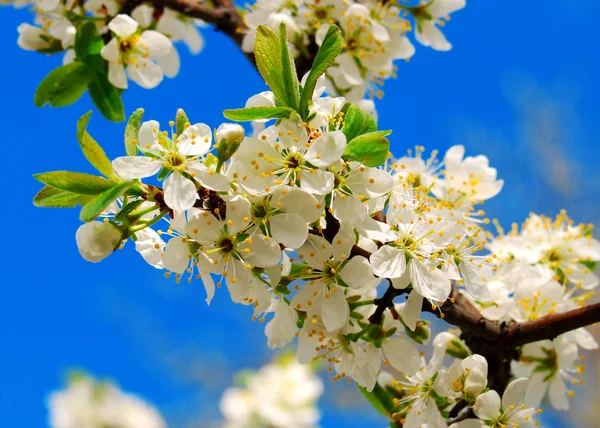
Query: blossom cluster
column 142, row 42
column 305, row 219
column 282, row 393
column 89, row 403
column 375, row 35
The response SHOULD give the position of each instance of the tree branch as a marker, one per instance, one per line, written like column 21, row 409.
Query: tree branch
column 551, row 326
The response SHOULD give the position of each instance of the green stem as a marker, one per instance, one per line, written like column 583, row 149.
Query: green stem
column 149, row 222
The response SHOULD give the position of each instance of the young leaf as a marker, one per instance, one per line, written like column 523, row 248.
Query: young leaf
column 380, row 399
column 357, row 122
column 132, row 130
column 91, row 149
column 87, row 41
column 76, row 182
column 255, row 113
column 288, row 71
column 64, row 85
column 180, row 121
column 51, row 197
column 329, row 50
column 93, row 208
column 107, row 98
column 267, row 51
column 369, row 149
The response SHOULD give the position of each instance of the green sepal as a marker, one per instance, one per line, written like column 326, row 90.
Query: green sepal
column 92, row 150
column 94, row 208
column 76, row 182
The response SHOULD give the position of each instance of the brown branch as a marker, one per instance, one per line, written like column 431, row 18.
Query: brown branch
column 551, row 326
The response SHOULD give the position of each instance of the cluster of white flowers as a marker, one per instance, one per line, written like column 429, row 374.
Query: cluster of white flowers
column 254, row 222
column 88, row 403
column 282, row 394
column 141, row 44
column 303, row 222
column 375, row 35
column 544, row 269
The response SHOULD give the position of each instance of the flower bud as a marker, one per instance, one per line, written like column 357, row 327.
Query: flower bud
column 97, row 240
column 229, row 137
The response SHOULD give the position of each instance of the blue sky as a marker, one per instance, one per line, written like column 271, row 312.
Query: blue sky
column 520, row 86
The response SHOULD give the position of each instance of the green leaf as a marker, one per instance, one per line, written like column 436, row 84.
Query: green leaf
column 380, row 399
column 87, row 41
column 329, row 50
column 76, row 182
column 107, row 98
column 51, row 197
column 180, row 121
column 357, row 122
column 93, row 208
column 267, row 51
column 369, row 149
column 288, row 71
column 91, row 149
column 132, row 130
column 254, row 113
column 64, row 85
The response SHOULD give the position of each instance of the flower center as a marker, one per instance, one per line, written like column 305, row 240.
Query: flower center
column 294, row 160
column 175, row 159
column 225, row 245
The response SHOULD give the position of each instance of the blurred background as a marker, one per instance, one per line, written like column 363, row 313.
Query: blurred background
column 520, row 86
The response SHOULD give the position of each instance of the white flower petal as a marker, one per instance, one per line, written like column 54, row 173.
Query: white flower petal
column 195, row 140
column 176, row 257
column 145, row 73
column 131, row 167
column 412, row 309
column 264, row 251
column 110, row 52
column 180, row 192
column 116, row 75
column 157, row 43
column 290, row 229
column 150, row 246
column 402, row 355
column 327, row 149
column 388, row 262
column 123, row 25
column 357, row 273
column 515, row 393
column 335, row 310
column 316, row 182
column 487, row 406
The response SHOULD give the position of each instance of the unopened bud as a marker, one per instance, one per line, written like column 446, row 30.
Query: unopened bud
column 97, row 240
column 229, row 137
